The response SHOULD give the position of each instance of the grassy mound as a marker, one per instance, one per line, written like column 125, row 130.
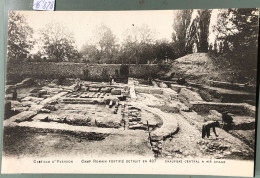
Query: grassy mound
column 201, row 67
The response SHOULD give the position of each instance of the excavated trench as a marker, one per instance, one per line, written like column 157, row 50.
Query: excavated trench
column 163, row 120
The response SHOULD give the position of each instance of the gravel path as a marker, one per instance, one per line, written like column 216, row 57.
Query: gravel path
column 184, row 143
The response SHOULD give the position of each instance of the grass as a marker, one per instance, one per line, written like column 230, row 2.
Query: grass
column 201, row 67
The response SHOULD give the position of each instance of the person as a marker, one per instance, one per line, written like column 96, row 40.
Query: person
column 207, row 126
column 227, row 117
column 227, row 120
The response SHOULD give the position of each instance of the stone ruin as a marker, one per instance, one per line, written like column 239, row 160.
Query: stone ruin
column 107, row 107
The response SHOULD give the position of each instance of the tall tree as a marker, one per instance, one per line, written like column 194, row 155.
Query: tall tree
column 89, row 53
column 202, row 22
column 20, row 40
column 105, row 42
column 138, row 44
column 237, row 30
column 181, row 23
column 58, row 43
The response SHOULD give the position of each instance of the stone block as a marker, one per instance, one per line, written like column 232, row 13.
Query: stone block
column 56, row 118
column 108, row 123
column 137, row 126
column 106, row 90
column 163, row 85
column 243, row 123
column 92, row 89
column 190, row 95
column 40, row 117
column 170, row 94
column 36, row 107
column 20, row 109
column 42, row 92
column 83, row 100
column 134, row 119
column 177, row 87
column 78, row 119
column 116, row 92
column 43, row 110
column 23, row 116
column 52, row 85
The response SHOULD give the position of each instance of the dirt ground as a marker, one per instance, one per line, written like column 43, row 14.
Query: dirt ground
column 188, row 143
column 29, row 142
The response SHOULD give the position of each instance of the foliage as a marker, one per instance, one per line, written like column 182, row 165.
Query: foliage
column 138, row 44
column 58, row 43
column 163, row 50
column 237, row 31
column 19, row 36
column 89, row 53
column 138, row 47
column 105, row 44
column 181, row 23
column 201, row 23
column 103, row 48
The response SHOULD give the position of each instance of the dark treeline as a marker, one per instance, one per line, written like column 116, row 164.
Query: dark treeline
column 235, row 32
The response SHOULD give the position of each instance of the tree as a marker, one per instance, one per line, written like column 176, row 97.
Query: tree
column 237, row 31
column 163, row 50
column 138, row 44
column 89, row 53
column 181, row 24
column 202, row 22
column 58, row 43
column 105, row 42
column 19, row 36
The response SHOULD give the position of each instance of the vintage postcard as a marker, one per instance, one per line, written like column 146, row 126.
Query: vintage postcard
column 131, row 92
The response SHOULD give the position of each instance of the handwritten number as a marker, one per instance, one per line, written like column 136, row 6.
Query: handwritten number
column 49, row 5
column 38, row 3
column 44, row 5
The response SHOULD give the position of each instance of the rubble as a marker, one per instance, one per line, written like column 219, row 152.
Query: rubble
column 159, row 112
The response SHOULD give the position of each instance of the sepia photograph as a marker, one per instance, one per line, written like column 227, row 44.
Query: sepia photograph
column 155, row 91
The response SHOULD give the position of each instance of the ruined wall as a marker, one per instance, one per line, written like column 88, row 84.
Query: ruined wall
column 235, row 108
column 74, row 70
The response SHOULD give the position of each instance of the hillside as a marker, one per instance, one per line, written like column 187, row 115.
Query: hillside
column 201, row 67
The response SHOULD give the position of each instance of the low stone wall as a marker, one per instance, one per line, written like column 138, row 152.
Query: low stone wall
column 75, row 70
column 235, row 108
column 233, row 86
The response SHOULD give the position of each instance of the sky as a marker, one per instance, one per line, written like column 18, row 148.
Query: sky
column 83, row 23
